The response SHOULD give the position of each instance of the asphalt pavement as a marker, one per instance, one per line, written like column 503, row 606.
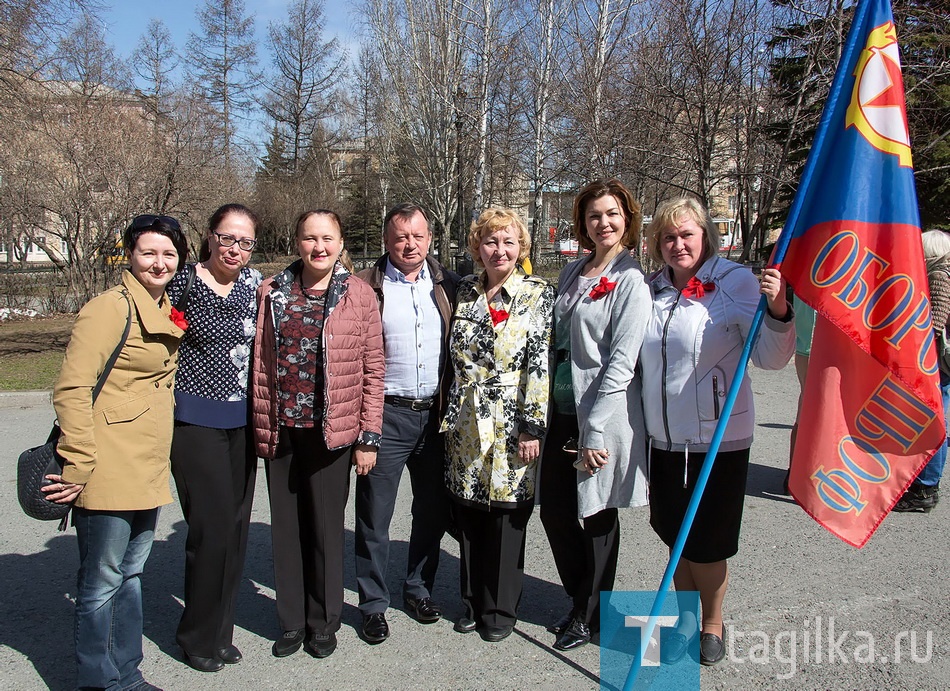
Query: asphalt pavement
column 804, row 610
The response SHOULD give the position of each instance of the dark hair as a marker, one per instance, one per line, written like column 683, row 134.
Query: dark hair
column 302, row 218
column 405, row 211
column 204, row 253
column 596, row 190
column 162, row 225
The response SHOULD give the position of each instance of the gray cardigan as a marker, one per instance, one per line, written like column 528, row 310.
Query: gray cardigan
column 606, row 334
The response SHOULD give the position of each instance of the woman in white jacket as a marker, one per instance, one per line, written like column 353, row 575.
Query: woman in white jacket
column 702, row 309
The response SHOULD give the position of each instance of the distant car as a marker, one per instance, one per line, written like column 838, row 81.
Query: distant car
column 115, row 255
column 569, row 248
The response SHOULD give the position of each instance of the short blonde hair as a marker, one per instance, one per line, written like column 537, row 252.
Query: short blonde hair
column 494, row 219
column 670, row 214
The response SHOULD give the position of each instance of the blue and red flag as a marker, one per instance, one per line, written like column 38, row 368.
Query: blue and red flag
column 871, row 415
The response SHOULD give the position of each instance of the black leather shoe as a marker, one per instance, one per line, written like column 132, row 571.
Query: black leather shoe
column 711, row 649
column 465, row 625
column 230, row 655
column 574, row 636
column 204, row 664
column 289, row 643
column 425, row 611
column 494, row 634
column 321, row 644
column 562, row 624
column 673, row 648
column 375, row 629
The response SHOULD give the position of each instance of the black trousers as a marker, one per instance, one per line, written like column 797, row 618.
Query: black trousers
column 215, row 472
column 410, row 440
column 308, row 487
column 585, row 552
column 491, row 573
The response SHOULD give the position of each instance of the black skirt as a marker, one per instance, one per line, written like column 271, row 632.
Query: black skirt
column 714, row 535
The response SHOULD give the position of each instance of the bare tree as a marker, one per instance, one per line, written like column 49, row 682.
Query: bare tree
column 599, row 28
column 544, row 27
column 422, row 58
column 155, row 61
column 306, row 71
column 221, row 61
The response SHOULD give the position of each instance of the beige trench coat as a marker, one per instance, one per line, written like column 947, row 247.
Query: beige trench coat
column 119, row 447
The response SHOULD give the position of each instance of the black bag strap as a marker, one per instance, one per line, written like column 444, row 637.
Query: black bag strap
column 182, row 303
column 110, row 363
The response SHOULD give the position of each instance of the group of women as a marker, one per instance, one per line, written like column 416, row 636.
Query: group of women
column 621, row 384
column 312, row 399
column 547, row 405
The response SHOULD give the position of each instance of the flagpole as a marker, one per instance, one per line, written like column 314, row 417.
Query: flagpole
column 778, row 255
column 818, row 144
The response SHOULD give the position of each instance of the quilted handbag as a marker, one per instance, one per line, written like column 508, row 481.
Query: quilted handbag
column 32, row 468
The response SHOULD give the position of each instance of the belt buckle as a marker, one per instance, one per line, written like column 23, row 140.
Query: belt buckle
column 420, row 404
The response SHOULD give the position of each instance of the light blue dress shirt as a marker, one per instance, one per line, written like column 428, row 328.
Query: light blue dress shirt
column 412, row 331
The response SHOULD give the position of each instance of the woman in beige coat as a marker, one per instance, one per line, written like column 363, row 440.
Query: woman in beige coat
column 116, row 450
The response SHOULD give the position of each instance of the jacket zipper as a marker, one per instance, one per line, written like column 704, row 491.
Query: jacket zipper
column 685, row 464
column 715, row 384
column 666, row 331
column 327, row 311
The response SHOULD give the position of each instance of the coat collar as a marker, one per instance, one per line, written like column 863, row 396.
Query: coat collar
column 708, row 272
column 434, row 267
column 511, row 287
column 153, row 318
column 280, row 284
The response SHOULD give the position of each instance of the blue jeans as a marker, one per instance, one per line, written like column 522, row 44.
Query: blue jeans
column 933, row 471
column 113, row 547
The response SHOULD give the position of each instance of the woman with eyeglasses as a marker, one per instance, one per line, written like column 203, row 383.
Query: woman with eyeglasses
column 116, row 448
column 213, row 461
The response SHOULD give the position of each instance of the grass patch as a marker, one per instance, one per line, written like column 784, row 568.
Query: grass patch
column 31, row 352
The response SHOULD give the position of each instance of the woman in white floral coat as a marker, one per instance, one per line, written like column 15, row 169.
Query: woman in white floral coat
column 496, row 418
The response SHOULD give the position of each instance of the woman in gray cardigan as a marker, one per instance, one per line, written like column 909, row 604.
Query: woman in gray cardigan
column 594, row 458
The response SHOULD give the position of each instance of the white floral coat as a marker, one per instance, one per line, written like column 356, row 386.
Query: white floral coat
column 501, row 389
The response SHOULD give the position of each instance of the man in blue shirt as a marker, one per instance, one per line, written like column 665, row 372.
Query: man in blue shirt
column 416, row 296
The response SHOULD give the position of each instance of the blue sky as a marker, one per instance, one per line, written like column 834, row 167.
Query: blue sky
column 128, row 19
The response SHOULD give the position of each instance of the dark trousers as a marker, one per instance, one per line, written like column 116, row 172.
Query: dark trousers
column 585, row 555
column 215, row 472
column 410, row 439
column 491, row 573
column 308, row 487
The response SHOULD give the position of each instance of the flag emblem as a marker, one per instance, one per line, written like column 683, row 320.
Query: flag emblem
column 877, row 107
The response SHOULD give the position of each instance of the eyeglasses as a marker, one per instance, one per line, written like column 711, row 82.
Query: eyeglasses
column 148, row 220
column 246, row 244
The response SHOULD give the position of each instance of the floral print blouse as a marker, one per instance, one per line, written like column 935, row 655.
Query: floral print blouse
column 501, row 389
column 215, row 353
column 300, row 358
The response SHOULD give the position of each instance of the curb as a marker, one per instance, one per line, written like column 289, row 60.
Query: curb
column 25, row 399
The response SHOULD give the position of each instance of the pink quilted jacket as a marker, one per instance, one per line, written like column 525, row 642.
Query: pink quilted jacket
column 354, row 362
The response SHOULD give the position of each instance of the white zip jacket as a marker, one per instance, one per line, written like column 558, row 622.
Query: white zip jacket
column 690, row 352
